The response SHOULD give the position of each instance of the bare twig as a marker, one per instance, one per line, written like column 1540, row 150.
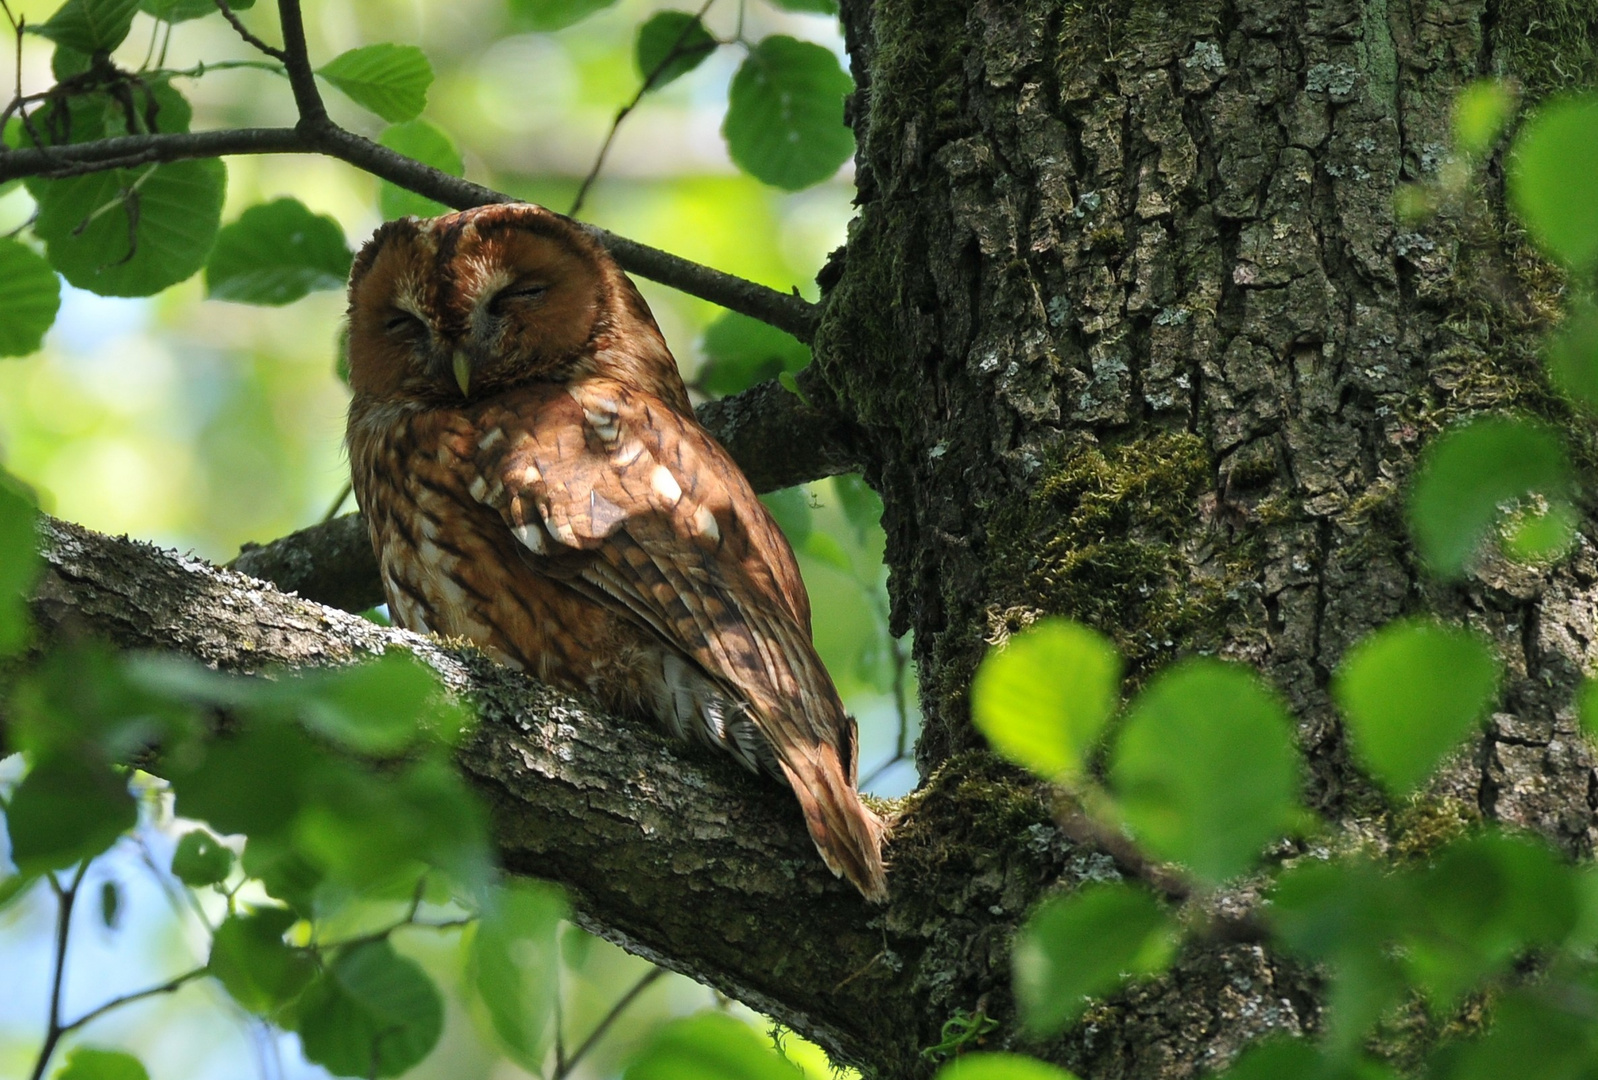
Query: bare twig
column 672, row 54
column 167, row 987
column 302, row 77
column 244, row 32
column 338, row 503
column 564, row 1068
column 65, row 898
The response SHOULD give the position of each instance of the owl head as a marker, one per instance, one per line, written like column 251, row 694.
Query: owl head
column 461, row 307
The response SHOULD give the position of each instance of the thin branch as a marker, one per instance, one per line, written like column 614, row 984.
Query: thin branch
column 296, row 57
column 167, row 987
column 244, row 32
column 672, row 54
column 563, row 1069
column 65, row 899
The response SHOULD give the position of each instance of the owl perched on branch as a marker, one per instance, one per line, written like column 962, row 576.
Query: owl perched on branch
column 535, row 481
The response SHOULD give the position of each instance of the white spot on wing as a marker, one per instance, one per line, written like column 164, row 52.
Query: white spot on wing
column 494, row 435
column 532, row 537
column 478, row 488
column 665, row 484
column 705, row 523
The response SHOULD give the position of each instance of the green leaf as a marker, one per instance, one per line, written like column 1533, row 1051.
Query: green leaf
column 276, row 253
column 1480, row 112
column 1347, row 915
column 20, row 562
column 256, row 967
column 818, row 7
column 252, row 782
column 84, row 223
column 1044, row 698
column 861, row 506
column 428, row 144
column 86, row 1063
column 30, row 295
column 1572, row 358
column 1469, row 474
column 546, row 15
column 176, row 11
column 511, row 965
column 740, row 352
column 201, row 859
column 1299, row 1059
column 791, row 508
column 89, row 26
column 1409, row 693
column 391, row 80
column 110, row 904
column 1205, row 768
column 709, row 1046
column 1533, row 1035
column 1082, row 945
column 1487, row 900
column 784, row 121
column 78, row 699
column 1541, row 535
column 65, row 810
column 372, row 1013
column 980, row 1066
column 824, row 548
column 283, row 871
column 670, row 44
column 1550, row 178
column 382, row 706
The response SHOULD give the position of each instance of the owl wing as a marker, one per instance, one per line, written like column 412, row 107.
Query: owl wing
column 637, row 506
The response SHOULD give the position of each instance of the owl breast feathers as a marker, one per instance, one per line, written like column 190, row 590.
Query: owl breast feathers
column 534, row 480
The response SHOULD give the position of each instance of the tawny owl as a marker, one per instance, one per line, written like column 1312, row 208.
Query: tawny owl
column 535, row 481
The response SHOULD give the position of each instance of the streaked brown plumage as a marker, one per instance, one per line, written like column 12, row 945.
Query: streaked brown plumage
column 535, row 482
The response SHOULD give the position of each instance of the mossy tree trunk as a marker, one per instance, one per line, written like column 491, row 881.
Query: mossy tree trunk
column 1132, row 335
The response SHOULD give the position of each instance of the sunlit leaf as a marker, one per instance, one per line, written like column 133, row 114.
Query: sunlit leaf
column 670, row 44
column 1205, row 768
column 373, row 1012
column 511, row 965
column 980, row 1066
column 201, row 859
column 20, row 562
column 84, row 222
column 65, row 810
column 275, row 253
column 1469, row 474
column 257, row 967
column 431, row 146
column 1044, row 698
column 1550, row 178
column 709, row 1046
column 183, row 10
column 391, row 80
column 784, row 121
column 89, row 25
column 1084, row 945
column 30, row 295
column 740, row 352
column 1409, row 693
column 1480, row 112
column 553, row 14
column 87, row 1063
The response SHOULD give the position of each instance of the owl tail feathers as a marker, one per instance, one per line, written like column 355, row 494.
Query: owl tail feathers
column 847, row 834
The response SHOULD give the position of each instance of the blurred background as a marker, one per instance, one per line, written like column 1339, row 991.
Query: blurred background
column 201, row 425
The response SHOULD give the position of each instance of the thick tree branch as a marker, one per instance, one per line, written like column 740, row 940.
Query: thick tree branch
column 777, row 438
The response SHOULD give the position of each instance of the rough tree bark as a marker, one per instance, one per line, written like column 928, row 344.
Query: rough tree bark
column 1125, row 330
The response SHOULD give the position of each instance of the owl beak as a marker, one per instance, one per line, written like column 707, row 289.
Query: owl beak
column 463, row 373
